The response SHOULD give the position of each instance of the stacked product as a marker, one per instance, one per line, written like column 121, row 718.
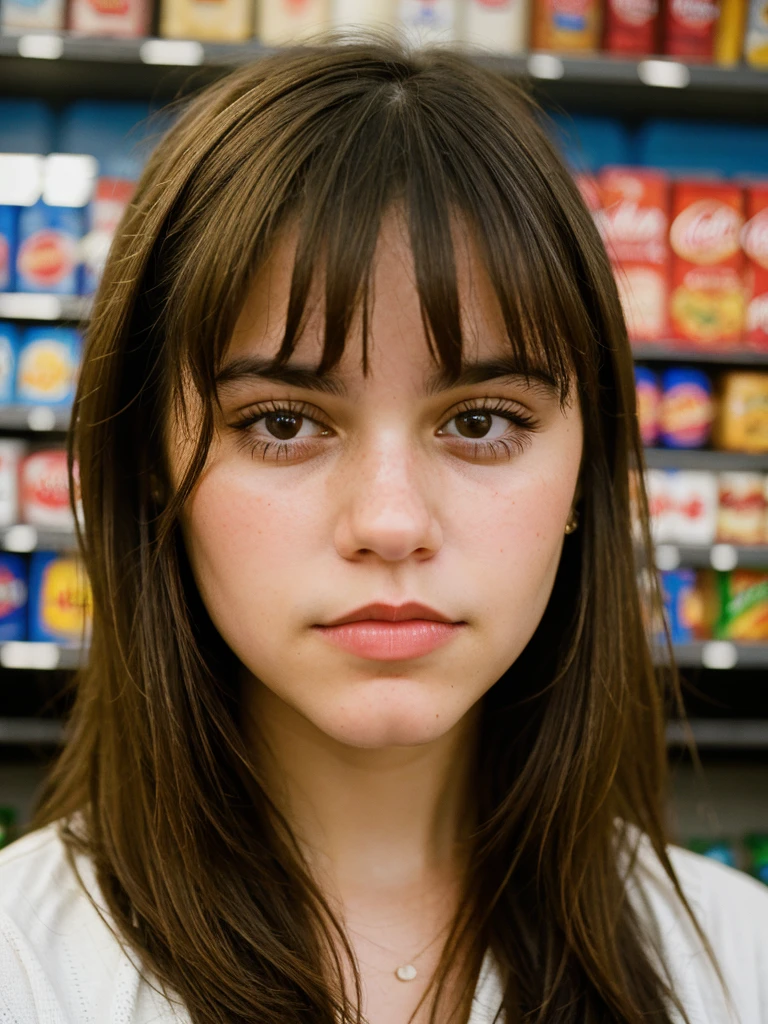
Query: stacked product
column 65, row 183
column 705, row 604
column 685, row 407
column 699, row 507
column 44, row 596
column 709, row 30
column 690, row 255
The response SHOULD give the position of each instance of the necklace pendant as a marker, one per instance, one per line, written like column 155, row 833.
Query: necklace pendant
column 406, row 973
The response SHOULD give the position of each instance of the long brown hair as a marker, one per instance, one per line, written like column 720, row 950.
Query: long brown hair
column 198, row 866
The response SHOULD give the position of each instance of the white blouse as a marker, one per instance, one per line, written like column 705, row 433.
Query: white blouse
column 61, row 964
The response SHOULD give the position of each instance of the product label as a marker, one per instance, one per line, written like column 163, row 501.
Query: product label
column 5, row 263
column 45, row 371
column 109, row 7
column 570, row 15
column 13, row 592
column 708, row 302
column 65, row 598
column 635, row 12
column 690, row 28
column 633, row 222
column 755, row 243
column 47, row 257
column 686, row 415
column 45, row 488
column 756, row 238
column 706, row 232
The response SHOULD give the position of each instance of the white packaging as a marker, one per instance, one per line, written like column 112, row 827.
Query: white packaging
column 12, row 451
column 499, row 25
column 659, row 490
column 363, row 13
column 280, row 22
column 428, row 21
column 21, row 15
column 45, row 490
column 695, row 498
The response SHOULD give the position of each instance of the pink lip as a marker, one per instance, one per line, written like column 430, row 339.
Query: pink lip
column 391, row 641
column 390, row 613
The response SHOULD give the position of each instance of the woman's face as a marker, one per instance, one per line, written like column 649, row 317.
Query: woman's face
column 383, row 491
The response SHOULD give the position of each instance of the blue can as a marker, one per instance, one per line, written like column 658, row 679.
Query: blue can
column 47, row 365
column 9, row 347
column 9, row 239
column 48, row 257
column 14, row 593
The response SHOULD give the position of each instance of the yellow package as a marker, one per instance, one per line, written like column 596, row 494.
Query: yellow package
column 741, row 422
column 756, row 41
column 729, row 38
column 208, row 20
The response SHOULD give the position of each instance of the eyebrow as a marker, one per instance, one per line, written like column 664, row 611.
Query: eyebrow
column 256, row 368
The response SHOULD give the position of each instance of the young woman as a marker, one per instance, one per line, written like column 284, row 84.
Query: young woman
column 370, row 728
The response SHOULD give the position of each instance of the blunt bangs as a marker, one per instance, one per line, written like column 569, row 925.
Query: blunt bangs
column 374, row 138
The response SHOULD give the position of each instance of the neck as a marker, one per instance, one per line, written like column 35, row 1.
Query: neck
column 395, row 818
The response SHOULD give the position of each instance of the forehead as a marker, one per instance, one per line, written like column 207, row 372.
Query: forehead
column 398, row 349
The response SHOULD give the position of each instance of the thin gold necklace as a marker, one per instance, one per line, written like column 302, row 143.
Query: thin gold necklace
column 406, row 971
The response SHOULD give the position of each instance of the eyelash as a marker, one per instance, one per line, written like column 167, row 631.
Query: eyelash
column 496, row 447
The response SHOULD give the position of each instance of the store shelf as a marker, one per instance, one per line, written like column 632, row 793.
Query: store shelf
column 20, row 306
column 653, row 353
column 690, row 458
column 720, row 733
column 707, row 734
column 31, row 732
column 718, row 654
column 715, row 654
column 23, row 537
column 41, row 656
column 711, row 556
column 30, row 63
column 39, row 418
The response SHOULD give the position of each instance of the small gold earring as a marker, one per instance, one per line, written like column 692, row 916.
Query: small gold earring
column 573, row 522
column 156, row 489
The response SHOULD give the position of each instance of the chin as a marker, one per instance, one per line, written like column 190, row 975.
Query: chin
column 386, row 719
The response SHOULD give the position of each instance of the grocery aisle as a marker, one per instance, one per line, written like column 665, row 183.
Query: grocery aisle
column 664, row 121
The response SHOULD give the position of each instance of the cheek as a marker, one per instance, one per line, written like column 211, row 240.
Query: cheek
column 512, row 536
column 245, row 538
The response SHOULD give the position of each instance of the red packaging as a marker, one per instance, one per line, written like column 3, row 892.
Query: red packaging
column 45, row 490
column 689, row 28
column 755, row 243
column 708, row 301
column 590, row 191
column 634, row 223
column 126, row 18
column 631, row 26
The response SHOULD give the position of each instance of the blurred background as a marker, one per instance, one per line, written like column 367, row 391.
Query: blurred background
column 661, row 110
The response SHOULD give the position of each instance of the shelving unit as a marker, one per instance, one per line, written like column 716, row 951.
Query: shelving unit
column 690, row 458
column 31, row 65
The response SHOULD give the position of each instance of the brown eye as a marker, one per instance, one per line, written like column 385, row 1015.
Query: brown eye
column 477, row 424
column 283, row 425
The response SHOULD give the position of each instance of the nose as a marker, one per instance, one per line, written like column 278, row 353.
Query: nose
column 388, row 504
